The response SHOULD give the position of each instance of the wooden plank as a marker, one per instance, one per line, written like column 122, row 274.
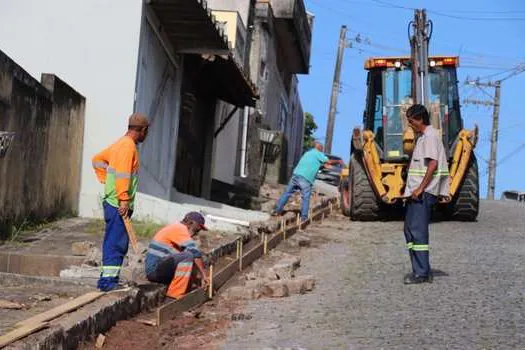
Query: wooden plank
column 254, row 254
column 225, row 274
column 170, row 310
column 21, row 332
column 61, row 309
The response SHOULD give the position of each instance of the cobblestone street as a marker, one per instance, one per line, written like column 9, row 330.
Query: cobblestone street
column 360, row 302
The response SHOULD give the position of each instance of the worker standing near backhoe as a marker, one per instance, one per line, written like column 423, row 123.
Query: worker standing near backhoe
column 428, row 179
column 117, row 168
column 172, row 254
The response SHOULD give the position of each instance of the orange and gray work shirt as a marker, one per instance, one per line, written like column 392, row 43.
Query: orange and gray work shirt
column 117, row 168
column 170, row 240
column 428, row 146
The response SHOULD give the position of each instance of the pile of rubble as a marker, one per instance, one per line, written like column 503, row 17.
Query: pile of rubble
column 277, row 281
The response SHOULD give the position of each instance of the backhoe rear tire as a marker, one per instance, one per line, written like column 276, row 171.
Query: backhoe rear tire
column 465, row 205
column 364, row 203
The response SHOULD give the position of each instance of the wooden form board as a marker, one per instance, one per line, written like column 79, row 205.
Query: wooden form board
column 170, row 310
column 61, row 309
column 21, row 332
column 221, row 277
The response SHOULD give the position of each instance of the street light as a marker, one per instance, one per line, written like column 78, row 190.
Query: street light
column 267, row 137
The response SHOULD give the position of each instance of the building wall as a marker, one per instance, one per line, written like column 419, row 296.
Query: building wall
column 93, row 45
column 225, row 165
column 240, row 6
column 40, row 176
column 158, row 96
column 295, row 127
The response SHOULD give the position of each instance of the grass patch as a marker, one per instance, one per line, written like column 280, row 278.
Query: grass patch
column 143, row 228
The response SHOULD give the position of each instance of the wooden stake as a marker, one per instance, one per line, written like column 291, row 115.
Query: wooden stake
column 265, row 242
column 240, row 254
column 210, row 287
column 238, row 249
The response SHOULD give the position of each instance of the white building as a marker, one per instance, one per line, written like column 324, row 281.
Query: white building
column 166, row 58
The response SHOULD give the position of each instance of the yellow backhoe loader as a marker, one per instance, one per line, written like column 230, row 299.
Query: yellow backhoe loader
column 372, row 186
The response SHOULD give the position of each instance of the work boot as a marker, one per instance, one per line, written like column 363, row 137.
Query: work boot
column 275, row 213
column 415, row 279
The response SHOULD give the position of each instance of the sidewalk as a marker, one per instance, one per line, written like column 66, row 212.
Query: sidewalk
column 66, row 255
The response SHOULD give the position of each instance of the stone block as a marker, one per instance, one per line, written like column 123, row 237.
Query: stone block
column 300, row 285
column 81, row 248
column 242, row 292
column 275, row 289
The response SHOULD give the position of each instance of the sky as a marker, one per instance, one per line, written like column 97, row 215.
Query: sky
column 488, row 35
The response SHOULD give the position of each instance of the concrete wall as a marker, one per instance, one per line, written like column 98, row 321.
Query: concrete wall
column 93, row 45
column 241, row 6
column 40, row 176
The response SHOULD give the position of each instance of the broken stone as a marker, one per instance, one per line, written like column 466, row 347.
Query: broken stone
column 100, row 341
column 275, row 289
column 284, row 269
column 300, row 285
column 81, row 248
column 250, row 276
column 6, row 304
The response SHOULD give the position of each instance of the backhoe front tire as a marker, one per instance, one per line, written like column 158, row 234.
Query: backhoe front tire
column 465, row 205
column 364, row 203
column 344, row 196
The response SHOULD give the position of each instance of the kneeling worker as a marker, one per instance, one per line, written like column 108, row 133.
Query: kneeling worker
column 172, row 253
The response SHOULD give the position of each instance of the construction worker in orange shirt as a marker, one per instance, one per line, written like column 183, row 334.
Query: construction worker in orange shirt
column 172, row 254
column 117, row 168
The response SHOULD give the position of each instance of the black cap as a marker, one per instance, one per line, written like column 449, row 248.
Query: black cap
column 198, row 218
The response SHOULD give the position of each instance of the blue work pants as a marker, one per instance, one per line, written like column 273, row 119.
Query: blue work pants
column 297, row 183
column 417, row 220
column 114, row 248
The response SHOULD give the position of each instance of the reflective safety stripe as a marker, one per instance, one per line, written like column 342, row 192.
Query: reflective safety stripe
column 182, row 273
column 185, row 264
column 417, row 247
column 122, row 176
column 110, row 271
column 422, row 172
column 102, row 165
column 157, row 253
column 111, row 170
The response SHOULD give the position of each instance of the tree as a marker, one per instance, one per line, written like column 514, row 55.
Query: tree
column 309, row 128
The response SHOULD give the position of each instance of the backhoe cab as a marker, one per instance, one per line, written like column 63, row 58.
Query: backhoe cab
column 373, row 186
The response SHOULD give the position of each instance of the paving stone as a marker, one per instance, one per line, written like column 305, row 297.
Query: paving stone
column 276, row 289
column 81, row 248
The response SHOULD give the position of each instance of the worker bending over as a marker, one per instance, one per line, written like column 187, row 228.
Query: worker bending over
column 172, row 253
column 303, row 179
column 117, row 168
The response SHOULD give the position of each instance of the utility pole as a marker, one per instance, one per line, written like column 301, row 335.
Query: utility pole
column 335, row 90
column 495, row 128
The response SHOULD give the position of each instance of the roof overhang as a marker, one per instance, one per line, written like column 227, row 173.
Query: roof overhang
column 191, row 28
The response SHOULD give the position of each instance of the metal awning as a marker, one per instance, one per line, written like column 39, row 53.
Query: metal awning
column 191, row 28
column 231, row 85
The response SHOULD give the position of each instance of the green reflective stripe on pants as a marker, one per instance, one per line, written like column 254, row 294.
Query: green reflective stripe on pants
column 420, row 247
column 110, row 271
column 409, row 245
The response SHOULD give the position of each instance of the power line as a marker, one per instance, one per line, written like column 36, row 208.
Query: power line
column 444, row 14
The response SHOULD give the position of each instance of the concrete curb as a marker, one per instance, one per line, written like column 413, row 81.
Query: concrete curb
column 98, row 317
